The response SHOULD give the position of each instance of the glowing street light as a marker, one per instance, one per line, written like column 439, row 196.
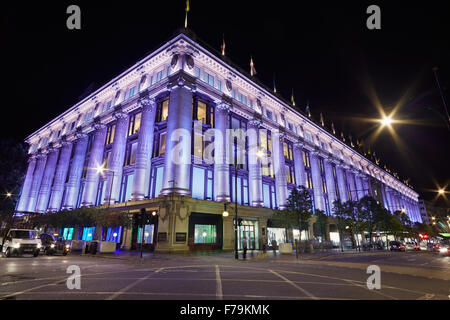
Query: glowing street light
column 441, row 191
column 100, row 170
column 386, row 121
column 8, row 194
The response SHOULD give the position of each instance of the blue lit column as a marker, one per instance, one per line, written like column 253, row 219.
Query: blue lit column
column 37, row 178
column 95, row 161
column 299, row 166
column 384, row 196
column 351, row 185
column 279, row 168
column 254, row 170
column 359, row 186
column 221, row 167
column 366, row 186
column 177, row 162
column 76, row 169
column 115, row 162
column 24, row 196
column 388, row 198
column 60, row 177
column 47, row 179
column 317, row 181
column 340, row 172
column 331, row 187
column 144, row 149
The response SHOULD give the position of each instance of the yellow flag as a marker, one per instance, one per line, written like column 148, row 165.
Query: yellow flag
column 187, row 5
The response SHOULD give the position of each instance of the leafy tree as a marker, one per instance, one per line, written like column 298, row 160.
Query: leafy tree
column 384, row 221
column 13, row 165
column 322, row 223
column 368, row 209
column 340, row 213
column 298, row 210
column 396, row 226
column 354, row 220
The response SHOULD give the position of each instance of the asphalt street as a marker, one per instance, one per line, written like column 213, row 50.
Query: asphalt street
column 404, row 276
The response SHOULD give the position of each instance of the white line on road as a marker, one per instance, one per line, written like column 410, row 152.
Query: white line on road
column 132, row 285
column 294, row 285
column 219, row 293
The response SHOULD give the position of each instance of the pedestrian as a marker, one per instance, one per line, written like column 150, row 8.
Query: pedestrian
column 274, row 246
column 244, row 246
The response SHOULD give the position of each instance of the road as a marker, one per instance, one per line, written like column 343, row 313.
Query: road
column 407, row 276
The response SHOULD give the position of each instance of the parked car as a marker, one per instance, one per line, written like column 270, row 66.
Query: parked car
column 412, row 246
column 396, row 246
column 20, row 241
column 54, row 244
column 435, row 247
column 445, row 247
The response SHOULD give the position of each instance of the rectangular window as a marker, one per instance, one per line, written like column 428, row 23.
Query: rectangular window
column 269, row 114
column 156, row 181
column 309, row 182
column 88, row 233
column 113, row 234
column 127, row 186
column 162, row 143
column 131, row 92
column 148, row 234
column 219, row 85
column 205, row 233
column 130, row 154
column 197, row 72
column 201, row 112
column 198, row 183
column 134, row 124
column 159, row 76
column 163, row 111
column 67, row 234
column 110, row 134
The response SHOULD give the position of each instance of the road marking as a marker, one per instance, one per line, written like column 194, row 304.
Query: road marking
column 132, row 285
column 294, row 285
column 219, row 293
column 428, row 296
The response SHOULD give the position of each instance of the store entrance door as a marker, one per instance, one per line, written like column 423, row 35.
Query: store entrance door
column 249, row 232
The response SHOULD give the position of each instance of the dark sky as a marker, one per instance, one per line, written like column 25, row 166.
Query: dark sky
column 322, row 50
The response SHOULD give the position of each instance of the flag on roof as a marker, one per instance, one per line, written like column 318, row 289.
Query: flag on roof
column 252, row 67
column 292, row 98
column 223, row 46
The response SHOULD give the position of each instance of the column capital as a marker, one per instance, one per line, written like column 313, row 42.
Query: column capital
column 147, row 103
column 119, row 114
column 299, row 144
column 255, row 123
column 223, row 106
column 97, row 125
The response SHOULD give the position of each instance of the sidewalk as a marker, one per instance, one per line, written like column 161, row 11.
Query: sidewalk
column 251, row 255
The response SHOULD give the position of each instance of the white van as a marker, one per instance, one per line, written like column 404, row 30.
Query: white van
column 20, row 241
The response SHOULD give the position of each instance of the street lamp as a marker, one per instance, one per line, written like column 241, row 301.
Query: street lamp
column 386, row 121
column 441, row 191
column 100, row 170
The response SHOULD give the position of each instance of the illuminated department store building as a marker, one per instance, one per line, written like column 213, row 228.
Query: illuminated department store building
column 126, row 126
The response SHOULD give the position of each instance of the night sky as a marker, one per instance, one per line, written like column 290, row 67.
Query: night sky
column 323, row 51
